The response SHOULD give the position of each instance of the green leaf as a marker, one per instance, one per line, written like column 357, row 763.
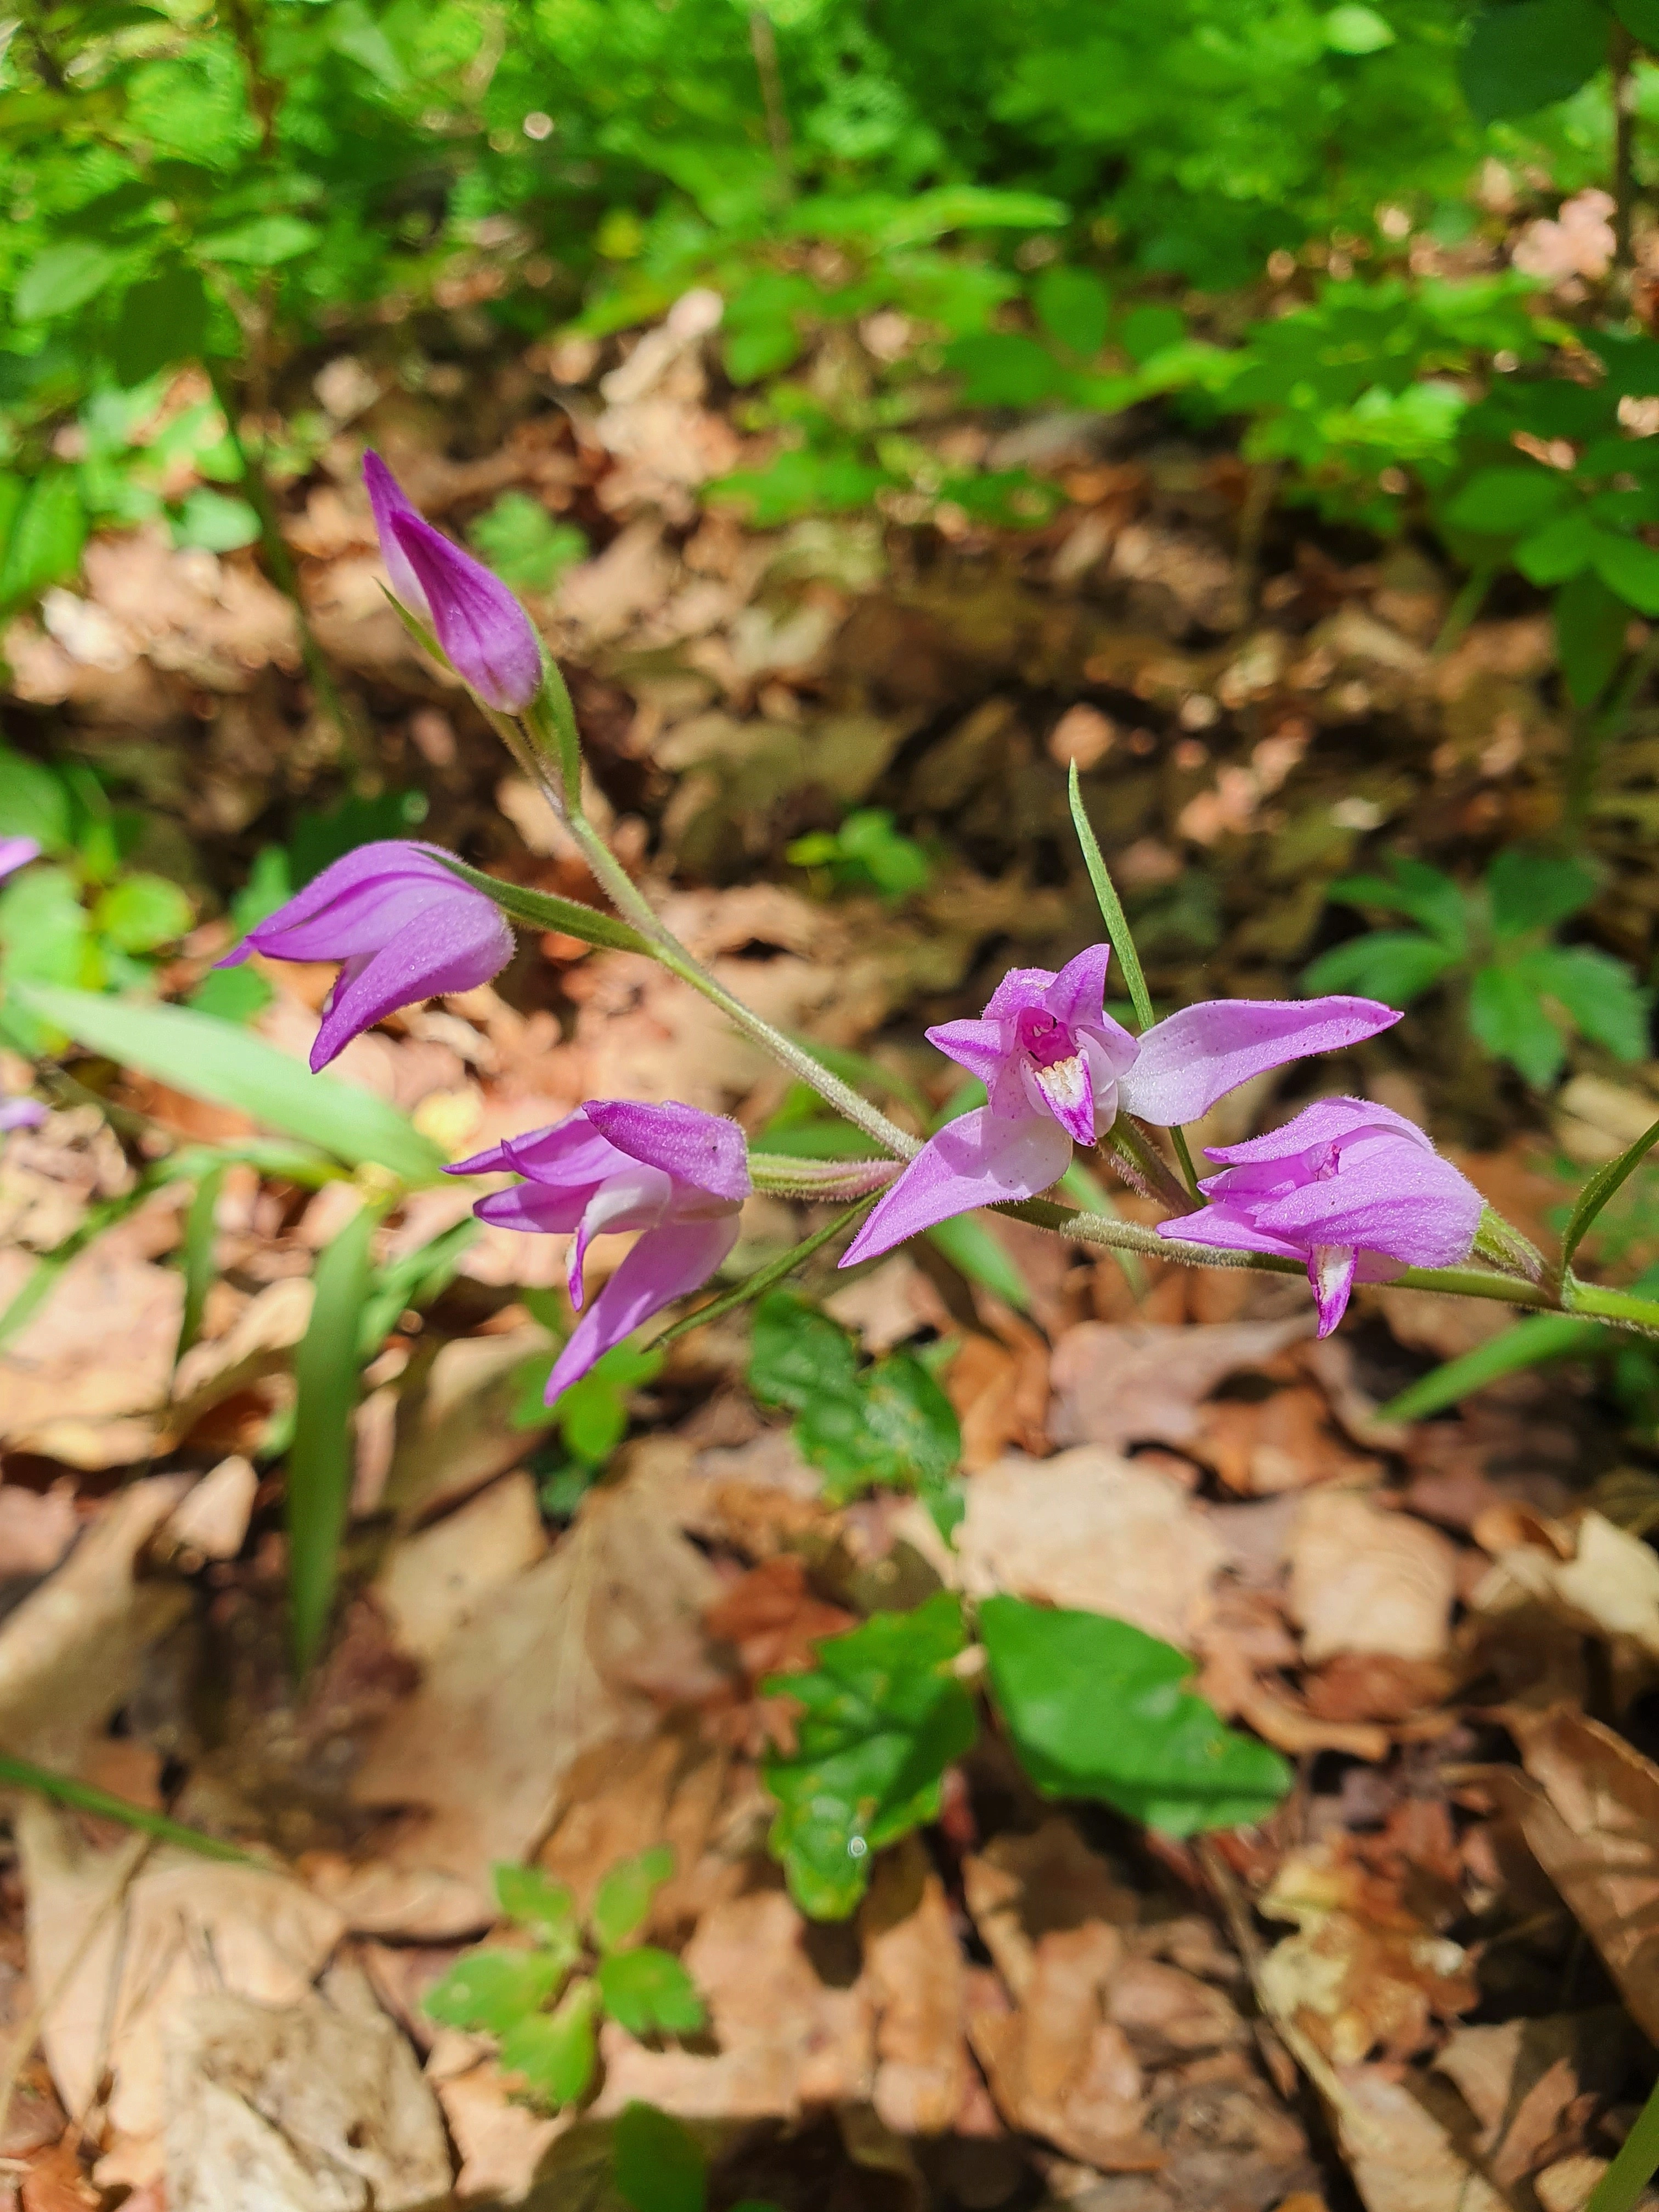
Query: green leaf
column 319, row 839
column 1432, row 899
column 1536, row 890
column 1097, row 1708
column 61, row 279
column 1395, row 965
column 545, row 1906
column 264, row 242
column 895, row 1426
column 1503, row 502
column 1003, row 369
column 1529, row 1343
column 494, row 1991
column 1353, row 28
column 1148, row 331
column 33, row 802
column 210, row 1060
column 353, row 31
column 46, row 537
column 545, row 910
column 1106, row 897
column 163, row 320
column 215, row 521
column 650, row 1993
column 1628, row 566
column 970, row 1245
column 656, row 2163
column 1560, row 549
column 43, row 932
column 1507, row 1013
column 622, row 1903
column 1527, row 54
column 1074, row 307
column 325, row 1369
column 1640, row 18
column 232, row 994
column 883, row 1717
column 1599, row 1189
column 139, row 912
column 554, row 2051
column 798, row 1354
column 198, row 1253
column 1590, row 622
column 1600, row 994
column 525, row 546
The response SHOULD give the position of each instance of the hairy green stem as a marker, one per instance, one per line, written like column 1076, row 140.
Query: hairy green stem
column 762, row 1281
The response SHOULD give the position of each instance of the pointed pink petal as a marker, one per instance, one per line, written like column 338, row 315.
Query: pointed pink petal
column 705, row 1150
column 345, row 910
column 980, row 1047
column 480, row 625
column 1077, row 996
column 527, row 1206
column 979, row 1159
column 1233, row 1232
column 451, row 949
column 385, row 498
column 1385, row 1197
column 662, row 1266
column 1322, row 1123
column 1020, row 988
column 1330, row 1272
column 1197, row 1055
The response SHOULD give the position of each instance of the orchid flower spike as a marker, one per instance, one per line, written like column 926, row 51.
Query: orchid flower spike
column 1057, row 1069
column 677, row 1173
column 401, row 924
column 482, row 627
column 16, row 853
column 1355, row 1190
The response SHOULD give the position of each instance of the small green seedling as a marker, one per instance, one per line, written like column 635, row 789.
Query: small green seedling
column 867, row 854
column 542, row 2012
column 657, row 2164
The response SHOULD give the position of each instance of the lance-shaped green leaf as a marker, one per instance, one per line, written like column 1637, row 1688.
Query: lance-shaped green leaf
column 1601, row 1187
column 650, row 1993
column 1097, row 1708
column 546, row 910
column 882, row 1716
column 1533, row 1342
column 326, row 1369
column 201, row 1235
column 623, row 1899
column 209, row 1058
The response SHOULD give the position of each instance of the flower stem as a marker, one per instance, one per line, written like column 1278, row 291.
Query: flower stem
column 762, row 1281
column 1144, row 1165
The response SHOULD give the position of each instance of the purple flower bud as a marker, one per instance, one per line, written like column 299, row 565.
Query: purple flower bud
column 676, row 1173
column 482, row 627
column 16, row 853
column 1355, row 1190
column 403, row 927
column 21, row 1114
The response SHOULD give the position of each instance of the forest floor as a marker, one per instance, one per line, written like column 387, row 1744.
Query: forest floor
column 1423, row 1986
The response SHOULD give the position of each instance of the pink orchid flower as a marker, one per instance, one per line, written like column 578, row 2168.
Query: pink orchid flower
column 1354, row 1190
column 676, row 1173
column 1057, row 1070
column 403, row 927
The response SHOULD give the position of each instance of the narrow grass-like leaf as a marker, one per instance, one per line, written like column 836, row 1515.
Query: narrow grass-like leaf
column 83, row 1797
column 1621, row 2186
column 201, row 1232
column 971, row 1247
column 414, row 1281
column 38, row 1286
column 1529, row 1343
column 1601, row 1187
column 319, row 1462
column 546, row 910
column 1123, row 944
column 213, row 1060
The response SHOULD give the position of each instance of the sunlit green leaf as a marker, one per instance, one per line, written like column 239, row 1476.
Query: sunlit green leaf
column 493, row 1989
column 650, row 1993
column 623, row 1901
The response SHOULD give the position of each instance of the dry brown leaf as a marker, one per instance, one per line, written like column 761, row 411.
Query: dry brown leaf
column 295, row 2107
column 1364, row 1580
column 1362, row 1969
column 581, row 1650
column 1122, row 1383
column 1284, row 1442
column 434, row 1581
column 212, row 1520
column 912, row 1973
column 455, row 1428
column 1610, row 1582
column 95, row 1412
column 787, row 2039
column 1595, row 1832
column 118, row 1953
column 1169, row 2015
column 36, row 1529
column 1531, row 2084
column 1088, row 1530
column 1021, row 1888
column 502, row 2141
column 1401, row 2157
column 69, row 1652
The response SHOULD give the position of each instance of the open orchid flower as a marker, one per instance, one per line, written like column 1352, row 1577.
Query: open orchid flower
column 480, row 625
column 1354, row 1190
column 403, row 927
column 673, row 1171
column 1057, row 1069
